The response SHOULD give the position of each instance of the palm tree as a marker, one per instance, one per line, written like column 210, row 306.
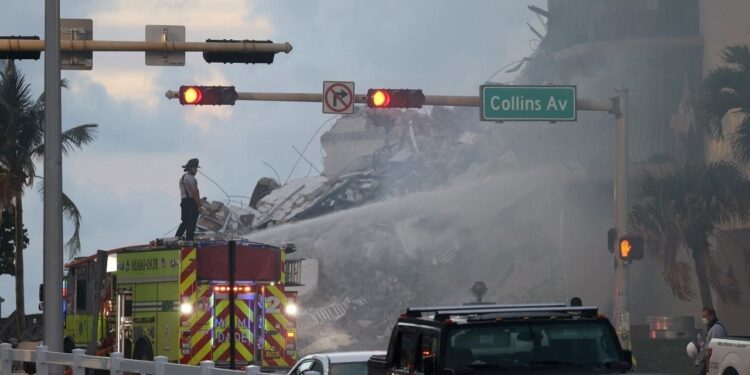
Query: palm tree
column 726, row 89
column 681, row 210
column 21, row 144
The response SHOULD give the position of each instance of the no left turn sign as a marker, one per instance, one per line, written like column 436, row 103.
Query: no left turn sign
column 338, row 97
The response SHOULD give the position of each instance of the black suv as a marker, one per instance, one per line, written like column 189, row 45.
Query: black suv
column 530, row 338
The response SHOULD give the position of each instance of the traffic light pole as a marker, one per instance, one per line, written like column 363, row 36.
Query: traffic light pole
column 27, row 45
column 622, row 275
column 53, row 228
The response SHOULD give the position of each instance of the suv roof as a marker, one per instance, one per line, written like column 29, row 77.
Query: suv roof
column 475, row 313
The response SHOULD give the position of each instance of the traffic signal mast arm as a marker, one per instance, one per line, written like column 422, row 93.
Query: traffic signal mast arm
column 439, row 100
column 26, row 45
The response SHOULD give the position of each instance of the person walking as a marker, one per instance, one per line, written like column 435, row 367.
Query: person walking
column 714, row 329
column 190, row 202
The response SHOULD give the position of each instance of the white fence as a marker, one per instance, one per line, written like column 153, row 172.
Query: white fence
column 115, row 363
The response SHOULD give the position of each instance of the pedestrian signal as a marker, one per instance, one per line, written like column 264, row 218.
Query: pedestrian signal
column 395, row 98
column 630, row 247
column 208, row 95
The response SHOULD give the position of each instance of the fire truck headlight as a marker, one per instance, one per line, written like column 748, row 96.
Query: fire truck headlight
column 186, row 308
column 291, row 309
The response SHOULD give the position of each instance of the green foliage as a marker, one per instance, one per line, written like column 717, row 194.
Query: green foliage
column 681, row 210
column 725, row 89
column 8, row 243
column 22, row 144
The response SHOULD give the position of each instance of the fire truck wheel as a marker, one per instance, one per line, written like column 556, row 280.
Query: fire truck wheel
column 143, row 350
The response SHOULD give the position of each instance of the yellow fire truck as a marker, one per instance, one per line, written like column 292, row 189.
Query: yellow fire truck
column 173, row 299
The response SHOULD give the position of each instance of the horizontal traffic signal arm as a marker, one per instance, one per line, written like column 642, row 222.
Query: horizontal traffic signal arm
column 439, row 100
column 10, row 45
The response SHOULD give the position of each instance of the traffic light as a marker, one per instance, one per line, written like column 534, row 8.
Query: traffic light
column 630, row 247
column 245, row 57
column 395, row 98
column 20, row 55
column 208, row 95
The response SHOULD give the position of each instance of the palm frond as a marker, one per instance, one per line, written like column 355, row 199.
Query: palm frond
column 681, row 210
column 73, row 138
column 724, row 283
column 726, row 88
column 72, row 214
column 679, row 278
column 70, row 211
column 738, row 55
column 741, row 140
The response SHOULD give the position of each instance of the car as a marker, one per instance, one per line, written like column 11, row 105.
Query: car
column 729, row 356
column 334, row 363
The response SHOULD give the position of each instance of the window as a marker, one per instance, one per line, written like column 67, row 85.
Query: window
column 318, row 366
column 302, row 367
column 406, row 350
column 523, row 344
column 353, row 368
column 427, row 353
column 81, row 295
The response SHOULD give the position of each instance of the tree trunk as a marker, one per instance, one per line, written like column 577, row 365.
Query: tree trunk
column 21, row 313
column 701, row 270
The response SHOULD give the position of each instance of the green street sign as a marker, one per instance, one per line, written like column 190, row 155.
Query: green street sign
column 527, row 103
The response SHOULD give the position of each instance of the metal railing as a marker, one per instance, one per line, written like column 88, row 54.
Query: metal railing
column 293, row 272
column 115, row 363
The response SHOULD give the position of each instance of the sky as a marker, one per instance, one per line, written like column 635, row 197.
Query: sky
column 125, row 183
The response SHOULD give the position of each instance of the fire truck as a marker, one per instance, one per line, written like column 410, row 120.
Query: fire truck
column 173, row 298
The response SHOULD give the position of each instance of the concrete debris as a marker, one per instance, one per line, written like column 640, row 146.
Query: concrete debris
column 264, row 187
column 370, row 156
column 426, row 248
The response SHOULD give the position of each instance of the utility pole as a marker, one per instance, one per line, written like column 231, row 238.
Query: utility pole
column 621, row 277
column 53, row 228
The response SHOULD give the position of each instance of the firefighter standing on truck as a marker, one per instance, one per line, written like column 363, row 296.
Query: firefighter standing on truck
column 190, row 202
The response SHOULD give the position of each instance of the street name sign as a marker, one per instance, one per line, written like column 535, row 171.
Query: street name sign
column 527, row 103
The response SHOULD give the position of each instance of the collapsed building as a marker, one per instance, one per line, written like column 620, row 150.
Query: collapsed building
column 370, row 155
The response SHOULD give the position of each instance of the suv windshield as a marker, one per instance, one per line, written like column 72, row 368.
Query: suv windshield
column 574, row 343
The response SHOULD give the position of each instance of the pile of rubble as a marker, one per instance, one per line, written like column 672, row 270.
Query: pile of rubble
column 370, row 156
column 425, row 248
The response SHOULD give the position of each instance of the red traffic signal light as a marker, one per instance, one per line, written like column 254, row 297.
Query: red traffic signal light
column 208, row 95
column 395, row 98
column 630, row 247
